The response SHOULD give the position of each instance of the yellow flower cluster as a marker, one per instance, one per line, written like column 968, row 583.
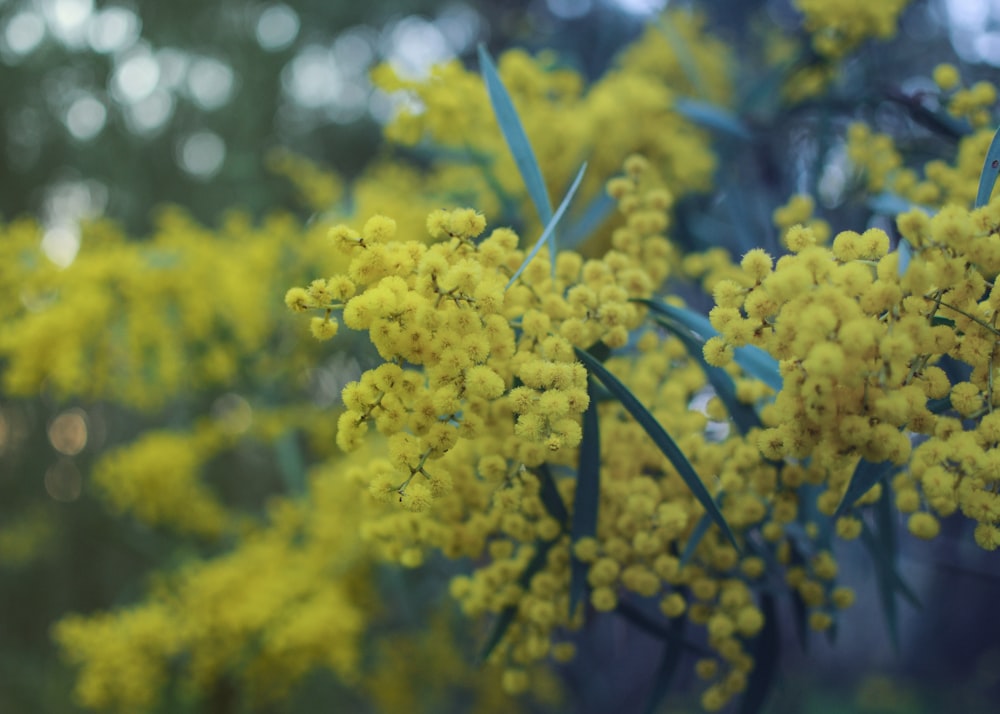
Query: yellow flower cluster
column 839, row 26
column 132, row 321
column 479, row 399
column 124, row 656
column 489, row 345
column 25, row 537
column 629, row 109
column 156, row 478
column 861, row 342
column 292, row 596
column 318, row 188
column 941, row 183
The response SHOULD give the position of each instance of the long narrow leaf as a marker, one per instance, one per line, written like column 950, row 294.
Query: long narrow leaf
column 549, row 494
column 700, row 529
column 866, row 475
column 666, row 670
column 886, row 536
column 660, row 437
column 765, row 651
column 711, row 116
column 743, row 415
column 886, row 592
column 905, row 256
column 754, row 361
column 655, row 627
column 515, row 136
column 892, row 204
column 682, row 53
column 988, row 176
column 290, row 464
column 588, row 495
column 591, row 218
column 506, row 617
column 548, row 235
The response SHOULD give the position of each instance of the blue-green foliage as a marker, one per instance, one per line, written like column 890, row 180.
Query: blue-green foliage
column 548, row 235
column 588, row 495
column 991, row 168
column 514, row 134
column 660, row 437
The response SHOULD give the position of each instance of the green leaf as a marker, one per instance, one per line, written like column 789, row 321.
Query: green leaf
column 888, row 549
column 592, row 217
column 516, row 138
column 588, row 496
column 660, row 437
column 988, row 176
column 654, row 626
column 765, row 651
column 548, row 235
column 506, row 617
column 938, row 121
column 881, row 545
column 682, row 53
column 755, row 362
column 892, row 204
column 712, row 117
column 290, row 464
column 886, row 592
column 700, row 529
column 743, row 415
column 905, row 256
column 550, row 496
column 866, row 475
column 663, row 678
column 800, row 612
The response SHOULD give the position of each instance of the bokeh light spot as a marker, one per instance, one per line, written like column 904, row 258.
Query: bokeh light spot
column 135, row 78
column 63, row 481
column 23, row 33
column 61, row 244
column 68, row 432
column 113, row 29
column 210, row 82
column 414, row 45
column 233, row 413
column 568, row 9
column 152, row 113
column 201, row 154
column 86, row 117
column 277, row 27
column 639, row 7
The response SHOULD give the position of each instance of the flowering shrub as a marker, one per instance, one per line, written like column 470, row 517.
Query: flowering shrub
column 564, row 413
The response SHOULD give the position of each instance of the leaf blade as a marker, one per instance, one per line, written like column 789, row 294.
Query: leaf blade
column 548, row 235
column 587, row 499
column 754, row 361
column 866, row 475
column 988, row 176
column 743, row 415
column 507, row 615
column 515, row 136
column 765, row 651
column 592, row 218
column 712, row 117
column 661, row 438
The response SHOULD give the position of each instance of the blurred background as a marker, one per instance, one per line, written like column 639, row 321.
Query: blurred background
column 116, row 108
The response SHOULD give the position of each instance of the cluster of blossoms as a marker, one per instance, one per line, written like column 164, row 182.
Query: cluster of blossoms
column 480, row 398
column 469, row 435
column 873, row 352
column 631, row 109
column 838, row 27
column 882, row 165
column 487, row 349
